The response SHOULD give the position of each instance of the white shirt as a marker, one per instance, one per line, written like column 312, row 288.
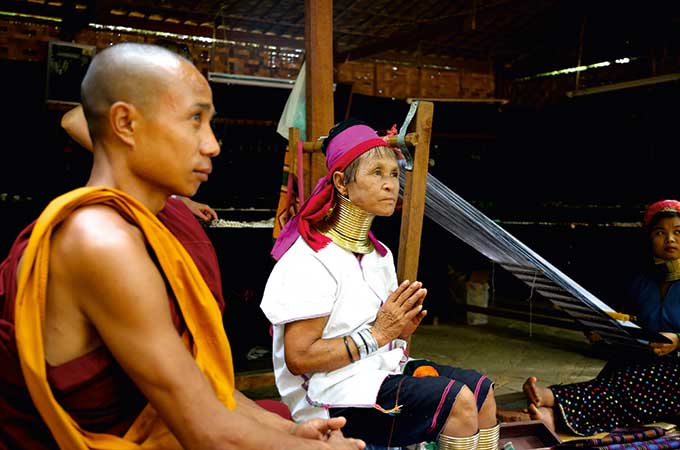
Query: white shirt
column 332, row 283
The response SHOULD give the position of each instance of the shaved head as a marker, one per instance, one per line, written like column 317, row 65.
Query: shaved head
column 129, row 72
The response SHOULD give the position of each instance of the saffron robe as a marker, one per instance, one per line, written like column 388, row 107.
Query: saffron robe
column 93, row 388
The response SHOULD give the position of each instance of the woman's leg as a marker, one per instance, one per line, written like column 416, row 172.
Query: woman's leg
column 487, row 413
column 537, row 395
column 460, row 432
column 462, row 419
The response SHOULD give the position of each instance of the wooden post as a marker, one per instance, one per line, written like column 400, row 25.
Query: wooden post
column 319, row 81
column 413, row 207
column 293, row 139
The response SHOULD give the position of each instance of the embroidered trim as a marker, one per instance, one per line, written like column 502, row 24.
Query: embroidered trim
column 479, row 385
column 441, row 404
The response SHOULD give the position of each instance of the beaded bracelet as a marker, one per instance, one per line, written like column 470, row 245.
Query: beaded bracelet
column 349, row 352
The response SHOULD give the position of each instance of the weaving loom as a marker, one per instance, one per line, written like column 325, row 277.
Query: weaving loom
column 464, row 221
column 468, row 224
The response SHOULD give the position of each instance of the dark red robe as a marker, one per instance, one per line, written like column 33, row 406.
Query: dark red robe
column 93, row 388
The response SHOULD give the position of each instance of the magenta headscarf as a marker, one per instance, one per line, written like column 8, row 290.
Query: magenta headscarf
column 344, row 148
column 661, row 206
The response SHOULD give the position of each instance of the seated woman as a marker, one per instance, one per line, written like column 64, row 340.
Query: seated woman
column 341, row 320
column 634, row 389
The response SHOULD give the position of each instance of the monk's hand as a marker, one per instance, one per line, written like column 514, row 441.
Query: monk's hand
column 337, row 441
column 398, row 312
column 320, row 429
column 200, row 210
column 660, row 349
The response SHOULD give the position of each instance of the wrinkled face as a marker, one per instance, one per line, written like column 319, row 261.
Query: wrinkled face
column 376, row 186
column 665, row 237
column 175, row 142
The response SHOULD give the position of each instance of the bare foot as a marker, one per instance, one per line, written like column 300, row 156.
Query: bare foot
column 539, row 396
column 507, row 415
column 545, row 415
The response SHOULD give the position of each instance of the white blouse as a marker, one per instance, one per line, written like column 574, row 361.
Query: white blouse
column 331, row 283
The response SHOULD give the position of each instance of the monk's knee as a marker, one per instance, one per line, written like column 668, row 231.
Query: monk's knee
column 462, row 420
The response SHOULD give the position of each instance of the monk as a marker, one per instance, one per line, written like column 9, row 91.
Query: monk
column 76, row 126
column 100, row 289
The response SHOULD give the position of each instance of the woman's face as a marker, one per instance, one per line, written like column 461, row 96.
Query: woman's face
column 665, row 237
column 376, row 186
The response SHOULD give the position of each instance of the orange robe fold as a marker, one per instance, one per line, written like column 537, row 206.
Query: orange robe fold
column 209, row 346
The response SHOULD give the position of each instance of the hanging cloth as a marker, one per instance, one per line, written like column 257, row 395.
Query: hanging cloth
column 209, row 347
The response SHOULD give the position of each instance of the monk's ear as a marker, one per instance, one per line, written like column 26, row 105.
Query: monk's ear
column 339, row 182
column 123, row 118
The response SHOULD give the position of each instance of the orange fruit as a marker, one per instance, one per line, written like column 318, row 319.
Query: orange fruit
column 425, row 371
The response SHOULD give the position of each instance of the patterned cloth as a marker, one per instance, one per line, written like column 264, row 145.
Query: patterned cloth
column 652, row 438
column 634, row 388
column 618, row 436
column 656, row 444
column 623, row 394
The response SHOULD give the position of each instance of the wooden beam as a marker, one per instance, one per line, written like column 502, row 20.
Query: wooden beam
column 199, row 31
column 252, row 380
column 401, row 39
column 99, row 12
column 319, row 81
column 311, row 147
column 413, row 206
column 293, row 139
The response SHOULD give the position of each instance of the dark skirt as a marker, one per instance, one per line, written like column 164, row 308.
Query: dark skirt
column 624, row 394
column 424, row 405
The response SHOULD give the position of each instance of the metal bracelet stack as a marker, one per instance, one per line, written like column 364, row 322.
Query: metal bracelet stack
column 365, row 342
column 458, row 443
column 488, row 438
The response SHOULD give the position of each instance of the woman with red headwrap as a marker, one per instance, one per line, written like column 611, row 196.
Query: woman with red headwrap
column 341, row 320
column 632, row 389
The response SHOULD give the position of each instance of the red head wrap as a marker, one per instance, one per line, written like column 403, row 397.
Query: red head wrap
column 344, row 148
column 662, row 206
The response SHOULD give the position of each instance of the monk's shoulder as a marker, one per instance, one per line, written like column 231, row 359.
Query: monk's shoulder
column 93, row 233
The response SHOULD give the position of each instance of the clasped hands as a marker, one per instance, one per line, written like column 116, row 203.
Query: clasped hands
column 401, row 314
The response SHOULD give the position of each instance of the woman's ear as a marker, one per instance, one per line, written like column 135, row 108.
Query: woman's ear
column 339, row 182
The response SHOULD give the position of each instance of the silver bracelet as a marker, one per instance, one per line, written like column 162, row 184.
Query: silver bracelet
column 370, row 340
column 361, row 344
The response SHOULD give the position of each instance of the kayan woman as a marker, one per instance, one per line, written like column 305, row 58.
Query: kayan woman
column 341, row 319
column 633, row 388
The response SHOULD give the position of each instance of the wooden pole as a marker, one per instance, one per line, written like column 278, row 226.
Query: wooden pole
column 293, row 139
column 309, row 147
column 413, row 208
column 319, row 82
